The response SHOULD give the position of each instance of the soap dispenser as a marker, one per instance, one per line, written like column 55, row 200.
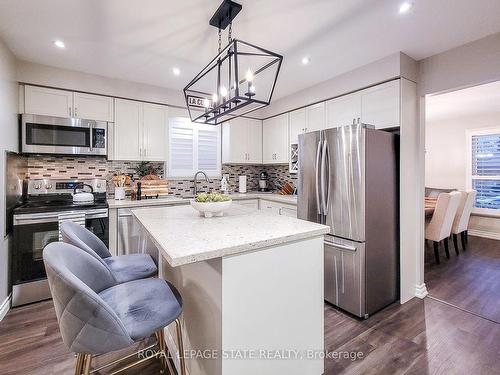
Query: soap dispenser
column 223, row 184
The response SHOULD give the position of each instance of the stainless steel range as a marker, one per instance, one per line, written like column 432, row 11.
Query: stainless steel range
column 36, row 224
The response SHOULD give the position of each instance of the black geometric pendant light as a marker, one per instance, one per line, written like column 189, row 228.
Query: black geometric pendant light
column 239, row 80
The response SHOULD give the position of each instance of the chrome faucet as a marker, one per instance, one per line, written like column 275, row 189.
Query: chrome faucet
column 195, row 188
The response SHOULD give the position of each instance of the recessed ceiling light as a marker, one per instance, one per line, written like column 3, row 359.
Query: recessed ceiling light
column 176, row 71
column 405, row 7
column 306, row 60
column 59, row 44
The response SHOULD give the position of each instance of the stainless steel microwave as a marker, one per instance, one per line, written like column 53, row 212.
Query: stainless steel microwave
column 65, row 136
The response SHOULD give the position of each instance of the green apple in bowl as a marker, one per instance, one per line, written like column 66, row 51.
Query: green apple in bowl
column 211, row 204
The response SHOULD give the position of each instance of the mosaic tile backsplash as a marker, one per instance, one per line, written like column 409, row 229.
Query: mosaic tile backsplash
column 69, row 167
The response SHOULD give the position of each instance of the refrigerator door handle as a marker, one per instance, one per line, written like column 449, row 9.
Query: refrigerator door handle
column 339, row 246
column 325, row 177
column 318, row 156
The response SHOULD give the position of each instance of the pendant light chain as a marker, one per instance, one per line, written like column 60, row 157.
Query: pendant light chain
column 229, row 35
column 220, row 40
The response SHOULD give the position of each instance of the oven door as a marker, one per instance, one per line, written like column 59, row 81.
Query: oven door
column 32, row 232
column 57, row 135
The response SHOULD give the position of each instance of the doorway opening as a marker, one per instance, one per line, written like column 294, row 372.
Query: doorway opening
column 462, row 180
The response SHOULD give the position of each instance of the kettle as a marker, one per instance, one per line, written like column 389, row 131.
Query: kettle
column 83, row 197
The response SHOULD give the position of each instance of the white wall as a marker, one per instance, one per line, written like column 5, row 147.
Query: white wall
column 28, row 72
column 8, row 141
column 446, row 151
column 446, row 160
column 468, row 65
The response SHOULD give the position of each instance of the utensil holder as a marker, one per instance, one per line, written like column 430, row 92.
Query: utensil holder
column 119, row 193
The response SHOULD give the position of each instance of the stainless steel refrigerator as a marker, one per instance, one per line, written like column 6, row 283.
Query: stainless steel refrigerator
column 348, row 179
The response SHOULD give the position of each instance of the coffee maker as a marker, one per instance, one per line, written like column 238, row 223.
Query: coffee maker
column 263, row 181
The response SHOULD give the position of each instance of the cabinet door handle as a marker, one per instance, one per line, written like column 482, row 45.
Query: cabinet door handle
column 76, row 112
column 69, row 111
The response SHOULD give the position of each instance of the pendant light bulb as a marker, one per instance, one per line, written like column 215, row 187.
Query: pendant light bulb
column 249, row 76
column 215, row 98
column 252, row 89
column 223, row 91
column 206, row 103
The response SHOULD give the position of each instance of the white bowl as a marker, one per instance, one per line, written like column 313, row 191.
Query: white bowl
column 209, row 209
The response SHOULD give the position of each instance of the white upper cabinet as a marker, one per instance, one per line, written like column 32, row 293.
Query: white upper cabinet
column 154, row 132
column 62, row 103
column 254, row 140
column 306, row 119
column 297, row 124
column 242, row 141
column 275, row 139
column 140, row 131
column 380, row 105
column 93, row 107
column 234, row 141
column 315, row 117
column 344, row 110
column 127, row 137
column 48, row 102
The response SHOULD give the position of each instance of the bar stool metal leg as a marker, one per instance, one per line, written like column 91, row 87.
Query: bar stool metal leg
column 162, row 346
column 180, row 345
column 86, row 366
column 79, row 363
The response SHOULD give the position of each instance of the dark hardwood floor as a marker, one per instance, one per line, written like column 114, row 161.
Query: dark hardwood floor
column 420, row 337
column 471, row 280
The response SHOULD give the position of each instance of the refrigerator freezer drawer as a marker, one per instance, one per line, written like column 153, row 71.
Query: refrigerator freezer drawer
column 344, row 275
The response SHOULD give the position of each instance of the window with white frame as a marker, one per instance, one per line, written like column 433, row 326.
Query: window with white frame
column 483, row 172
column 193, row 147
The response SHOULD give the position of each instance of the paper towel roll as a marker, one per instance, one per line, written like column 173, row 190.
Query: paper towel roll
column 242, row 184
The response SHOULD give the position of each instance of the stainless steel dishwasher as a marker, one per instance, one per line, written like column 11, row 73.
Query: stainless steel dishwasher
column 132, row 238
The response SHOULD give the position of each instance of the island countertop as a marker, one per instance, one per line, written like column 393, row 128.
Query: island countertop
column 183, row 236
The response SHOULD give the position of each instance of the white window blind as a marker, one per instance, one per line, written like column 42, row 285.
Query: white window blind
column 485, row 168
column 193, row 147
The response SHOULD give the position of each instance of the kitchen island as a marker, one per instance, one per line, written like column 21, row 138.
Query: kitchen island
column 252, row 285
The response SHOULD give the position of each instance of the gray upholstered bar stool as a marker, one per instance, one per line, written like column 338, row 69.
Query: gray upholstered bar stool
column 124, row 267
column 96, row 315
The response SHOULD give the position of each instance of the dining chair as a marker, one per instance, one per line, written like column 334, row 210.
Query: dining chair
column 123, row 267
column 461, row 221
column 96, row 315
column 439, row 227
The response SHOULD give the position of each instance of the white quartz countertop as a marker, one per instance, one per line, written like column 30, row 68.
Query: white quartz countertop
column 183, row 236
column 173, row 200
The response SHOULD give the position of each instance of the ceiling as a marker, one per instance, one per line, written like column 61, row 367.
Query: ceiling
column 143, row 40
column 474, row 101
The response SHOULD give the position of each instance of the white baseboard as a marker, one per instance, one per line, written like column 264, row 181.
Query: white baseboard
column 5, row 307
column 484, row 234
column 421, row 291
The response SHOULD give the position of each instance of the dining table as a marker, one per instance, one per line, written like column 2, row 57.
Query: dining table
column 430, row 206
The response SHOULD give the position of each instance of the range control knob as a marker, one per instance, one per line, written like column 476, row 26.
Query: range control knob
column 37, row 186
column 48, row 186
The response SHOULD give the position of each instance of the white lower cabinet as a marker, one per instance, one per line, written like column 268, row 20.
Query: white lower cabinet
column 275, row 143
column 276, row 208
column 250, row 203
